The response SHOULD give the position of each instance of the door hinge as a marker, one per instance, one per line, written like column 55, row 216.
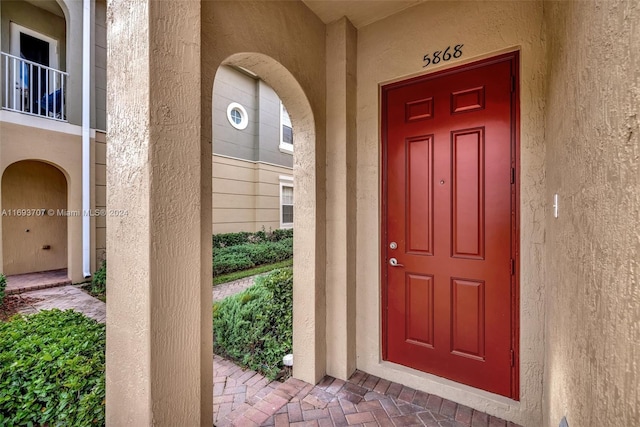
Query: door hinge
column 513, row 84
column 513, row 175
column 512, row 357
column 513, row 266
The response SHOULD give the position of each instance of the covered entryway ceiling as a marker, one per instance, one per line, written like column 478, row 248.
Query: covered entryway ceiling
column 359, row 12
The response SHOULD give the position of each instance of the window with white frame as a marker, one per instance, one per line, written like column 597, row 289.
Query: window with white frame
column 286, row 130
column 237, row 116
column 286, row 202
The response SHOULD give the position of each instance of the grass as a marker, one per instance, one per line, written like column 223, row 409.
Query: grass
column 230, row 277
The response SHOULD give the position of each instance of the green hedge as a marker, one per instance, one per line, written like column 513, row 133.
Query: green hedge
column 52, row 370
column 255, row 327
column 233, row 239
column 3, row 286
column 248, row 255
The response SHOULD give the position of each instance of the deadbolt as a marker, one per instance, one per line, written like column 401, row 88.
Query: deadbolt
column 393, row 245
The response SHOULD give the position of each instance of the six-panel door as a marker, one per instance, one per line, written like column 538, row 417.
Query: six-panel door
column 448, row 179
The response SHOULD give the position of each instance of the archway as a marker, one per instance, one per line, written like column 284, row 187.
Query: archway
column 34, row 217
column 308, row 341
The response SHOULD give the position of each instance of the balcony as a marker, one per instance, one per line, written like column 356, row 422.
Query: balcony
column 32, row 88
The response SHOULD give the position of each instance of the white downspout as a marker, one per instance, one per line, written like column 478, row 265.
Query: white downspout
column 86, row 141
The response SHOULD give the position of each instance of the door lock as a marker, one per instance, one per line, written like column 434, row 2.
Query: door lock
column 394, row 263
column 393, row 245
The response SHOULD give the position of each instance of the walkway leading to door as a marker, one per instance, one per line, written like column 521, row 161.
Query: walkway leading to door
column 247, row 399
column 19, row 283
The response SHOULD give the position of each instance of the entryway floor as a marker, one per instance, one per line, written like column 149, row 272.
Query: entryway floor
column 19, row 283
column 245, row 398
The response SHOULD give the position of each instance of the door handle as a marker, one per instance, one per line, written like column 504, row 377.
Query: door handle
column 394, row 263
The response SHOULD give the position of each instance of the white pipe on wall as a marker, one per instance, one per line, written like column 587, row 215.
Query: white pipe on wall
column 86, row 141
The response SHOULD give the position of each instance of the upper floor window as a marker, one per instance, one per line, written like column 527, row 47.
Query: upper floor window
column 237, row 116
column 286, row 131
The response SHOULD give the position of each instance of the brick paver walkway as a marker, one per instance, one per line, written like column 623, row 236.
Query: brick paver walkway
column 226, row 289
column 31, row 281
column 64, row 298
column 247, row 399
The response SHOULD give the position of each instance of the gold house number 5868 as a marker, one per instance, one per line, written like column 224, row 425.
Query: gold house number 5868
column 442, row 55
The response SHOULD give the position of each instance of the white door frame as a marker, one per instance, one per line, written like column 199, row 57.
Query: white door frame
column 15, row 43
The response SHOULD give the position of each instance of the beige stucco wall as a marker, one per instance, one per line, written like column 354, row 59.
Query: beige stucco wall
column 60, row 148
column 246, row 195
column 592, row 249
column 284, row 44
column 36, row 187
column 33, row 138
column 341, row 198
column 393, row 49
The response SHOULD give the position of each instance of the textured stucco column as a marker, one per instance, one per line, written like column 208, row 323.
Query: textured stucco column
column 159, row 349
column 341, row 198
column 592, row 322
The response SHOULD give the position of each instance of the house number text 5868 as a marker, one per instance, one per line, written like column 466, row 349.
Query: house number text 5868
column 442, row 55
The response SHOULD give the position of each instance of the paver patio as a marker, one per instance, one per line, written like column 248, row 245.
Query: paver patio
column 19, row 283
column 245, row 398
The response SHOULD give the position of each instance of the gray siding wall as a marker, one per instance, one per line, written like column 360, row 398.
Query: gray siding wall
column 261, row 139
column 233, row 86
column 269, row 136
column 100, row 65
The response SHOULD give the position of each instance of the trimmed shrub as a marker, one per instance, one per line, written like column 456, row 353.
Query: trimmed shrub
column 248, row 255
column 3, row 286
column 230, row 239
column 234, row 239
column 52, row 370
column 255, row 327
column 228, row 262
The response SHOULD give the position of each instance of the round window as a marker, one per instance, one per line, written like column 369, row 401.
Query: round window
column 237, row 116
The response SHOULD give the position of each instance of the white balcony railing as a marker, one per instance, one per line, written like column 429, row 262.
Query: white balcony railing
column 31, row 88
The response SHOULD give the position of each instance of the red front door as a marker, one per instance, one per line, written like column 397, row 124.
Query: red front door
column 449, row 212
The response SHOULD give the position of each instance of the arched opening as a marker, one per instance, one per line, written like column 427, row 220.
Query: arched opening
column 252, row 155
column 34, row 218
column 289, row 91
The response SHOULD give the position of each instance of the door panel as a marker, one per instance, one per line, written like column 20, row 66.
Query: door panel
column 448, row 153
column 419, row 230
column 467, row 165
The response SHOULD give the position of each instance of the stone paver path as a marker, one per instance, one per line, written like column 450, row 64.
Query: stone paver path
column 31, row 281
column 231, row 288
column 63, row 298
column 247, row 399
column 234, row 387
